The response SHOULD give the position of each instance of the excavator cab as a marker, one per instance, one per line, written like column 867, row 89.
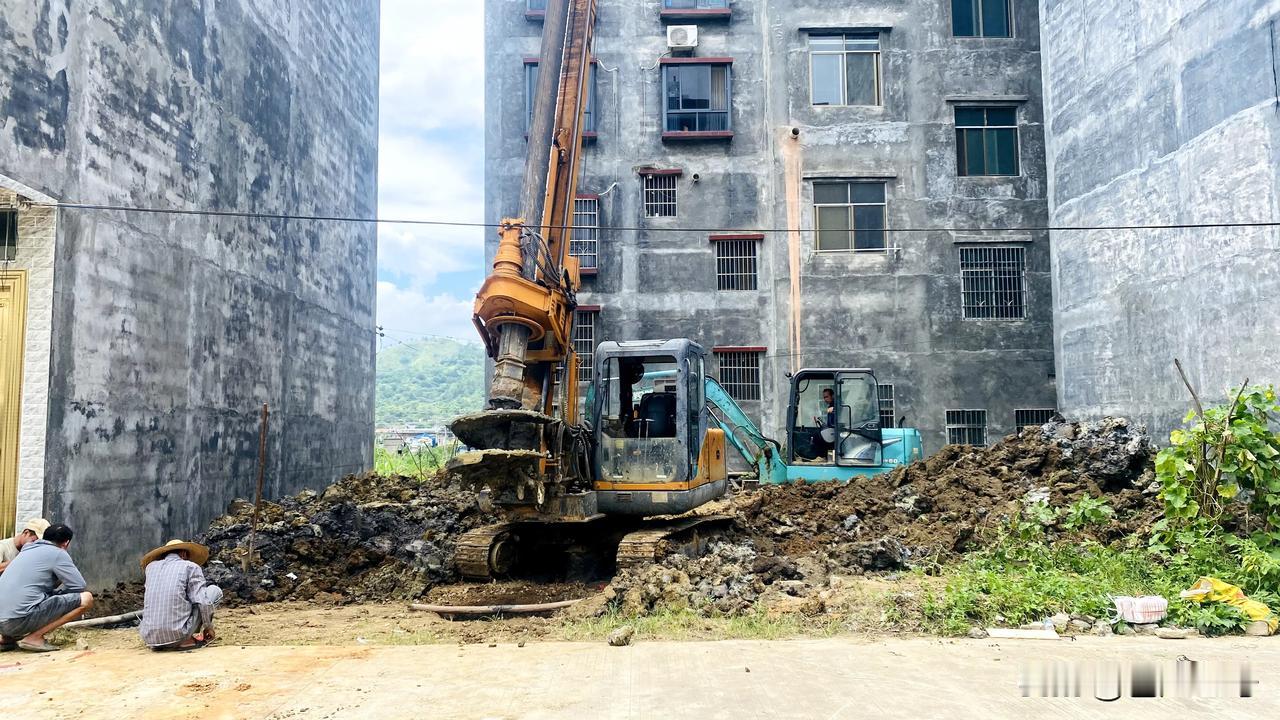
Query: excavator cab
column 649, row 418
column 834, row 419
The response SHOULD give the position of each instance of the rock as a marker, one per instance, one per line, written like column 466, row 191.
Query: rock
column 82, row 644
column 1081, row 625
column 622, row 636
column 1171, row 633
column 977, row 633
column 1031, row 626
column 1103, row 630
column 1087, row 618
column 1258, row 628
column 1148, row 629
column 1124, row 629
column 791, row 587
column 1060, row 621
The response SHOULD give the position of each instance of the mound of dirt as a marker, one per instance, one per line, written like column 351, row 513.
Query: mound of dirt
column 940, row 507
column 366, row 537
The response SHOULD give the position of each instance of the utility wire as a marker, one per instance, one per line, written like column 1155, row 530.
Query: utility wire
column 447, row 223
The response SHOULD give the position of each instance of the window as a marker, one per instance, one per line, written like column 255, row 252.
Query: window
column 584, row 342
column 535, row 6
column 694, row 4
column 586, row 231
column 993, row 283
column 888, row 414
column 967, row 427
column 8, row 235
column 659, row 195
column 740, row 373
column 987, row 140
column 1032, row 418
column 849, row 215
column 981, row 18
column 531, row 89
column 697, row 98
column 844, row 69
column 736, row 263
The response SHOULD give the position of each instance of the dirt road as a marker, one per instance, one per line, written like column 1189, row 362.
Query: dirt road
column 832, row 678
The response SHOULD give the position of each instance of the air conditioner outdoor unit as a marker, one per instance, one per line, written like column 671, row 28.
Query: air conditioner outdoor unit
column 682, row 37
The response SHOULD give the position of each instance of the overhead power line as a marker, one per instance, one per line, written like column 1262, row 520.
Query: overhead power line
column 726, row 231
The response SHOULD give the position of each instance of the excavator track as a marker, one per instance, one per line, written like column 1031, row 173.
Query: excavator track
column 652, row 544
column 486, row 552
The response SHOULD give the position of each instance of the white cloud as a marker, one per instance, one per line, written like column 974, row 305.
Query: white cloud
column 433, row 63
column 409, row 314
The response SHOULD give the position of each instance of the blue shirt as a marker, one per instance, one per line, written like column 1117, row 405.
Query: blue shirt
column 40, row 570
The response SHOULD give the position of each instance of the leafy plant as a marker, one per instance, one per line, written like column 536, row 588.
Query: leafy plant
column 1225, row 454
column 1088, row 511
column 1217, row 619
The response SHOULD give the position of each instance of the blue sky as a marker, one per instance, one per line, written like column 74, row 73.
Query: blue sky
column 431, row 166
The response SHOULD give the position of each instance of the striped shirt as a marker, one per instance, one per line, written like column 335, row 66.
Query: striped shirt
column 178, row 602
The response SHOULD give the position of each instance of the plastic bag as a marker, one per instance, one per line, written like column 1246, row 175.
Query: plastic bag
column 1214, row 590
column 1141, row 610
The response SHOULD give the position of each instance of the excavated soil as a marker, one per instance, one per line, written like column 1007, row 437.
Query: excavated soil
column 378, row 539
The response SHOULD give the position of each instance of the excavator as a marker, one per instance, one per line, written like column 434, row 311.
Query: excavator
column 587, row 485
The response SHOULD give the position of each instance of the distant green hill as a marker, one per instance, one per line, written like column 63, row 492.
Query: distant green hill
column 429, row 382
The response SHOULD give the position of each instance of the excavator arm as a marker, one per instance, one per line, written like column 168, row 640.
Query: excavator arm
column 761, row 452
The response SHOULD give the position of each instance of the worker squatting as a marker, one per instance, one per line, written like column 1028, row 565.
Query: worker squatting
column 41, row 590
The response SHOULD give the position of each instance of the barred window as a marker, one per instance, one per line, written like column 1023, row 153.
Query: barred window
column 1033, row 417
column 586, row 231
column 994, row 283
column 659, row 195
column 740, row 373
column 967, row 427
column 584, row 343
column 736, row 267
column 8, row 235
column 888, row 413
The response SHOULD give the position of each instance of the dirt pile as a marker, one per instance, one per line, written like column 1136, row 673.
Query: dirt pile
column 366, row 537
column 941, row 506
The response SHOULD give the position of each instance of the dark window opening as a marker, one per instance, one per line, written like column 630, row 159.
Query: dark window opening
column 736, row 267
column 697, row 98
column 987, row 140
column 967, row 427
column 993, row 283
column 740, row 373
column 982, row 18
column 849, row 215
column 8, row 235
column 1032, row 418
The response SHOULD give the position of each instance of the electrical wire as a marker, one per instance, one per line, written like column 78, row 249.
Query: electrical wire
column 447, row 223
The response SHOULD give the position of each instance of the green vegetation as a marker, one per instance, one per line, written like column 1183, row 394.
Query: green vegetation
column 429, row 383
column 1220, row 485
column 413, row 463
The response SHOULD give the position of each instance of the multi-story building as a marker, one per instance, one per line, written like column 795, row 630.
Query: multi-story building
column 137, row 348
column 1163, row 114
column 808, row 187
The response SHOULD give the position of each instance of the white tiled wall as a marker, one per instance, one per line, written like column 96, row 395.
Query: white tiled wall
column 37, row 233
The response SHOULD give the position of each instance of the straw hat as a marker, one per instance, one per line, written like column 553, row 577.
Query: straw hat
column 198, row 553
column 37, row 526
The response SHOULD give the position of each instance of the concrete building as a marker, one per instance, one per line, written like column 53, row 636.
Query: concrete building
column 1163, row 113
column 742, row 189
column 137, row 349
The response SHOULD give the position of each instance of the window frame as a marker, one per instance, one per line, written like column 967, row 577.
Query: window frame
column 1022, row 422
column 745, row 381
column 978, row 24
column 737, row 271
column 584, row 343
column 667, row 66
column 9, row 240
column 646, row 191
column 966, row 421
column 991, row 274
column 586, row 235
column 985, row 130
column 891, row 398
column 877, row 62
column 591, row 120
column 852, row 214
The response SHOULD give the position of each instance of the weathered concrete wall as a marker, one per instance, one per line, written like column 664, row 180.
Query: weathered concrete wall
column 171, row 331
column 898, row 312
column 1162, row 113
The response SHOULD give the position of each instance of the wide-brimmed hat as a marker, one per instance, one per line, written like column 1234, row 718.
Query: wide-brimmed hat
column 37, row 526
column 198, row 553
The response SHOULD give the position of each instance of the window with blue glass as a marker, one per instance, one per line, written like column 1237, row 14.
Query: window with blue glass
column 982, row 18
column 987, row 140
column 697, row 98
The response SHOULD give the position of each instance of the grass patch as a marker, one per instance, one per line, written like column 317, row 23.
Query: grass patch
column 687, row 624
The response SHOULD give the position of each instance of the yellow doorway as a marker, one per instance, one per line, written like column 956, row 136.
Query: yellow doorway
column 13, row 323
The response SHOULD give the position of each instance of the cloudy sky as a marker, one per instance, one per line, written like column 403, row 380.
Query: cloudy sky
column 431, row 166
